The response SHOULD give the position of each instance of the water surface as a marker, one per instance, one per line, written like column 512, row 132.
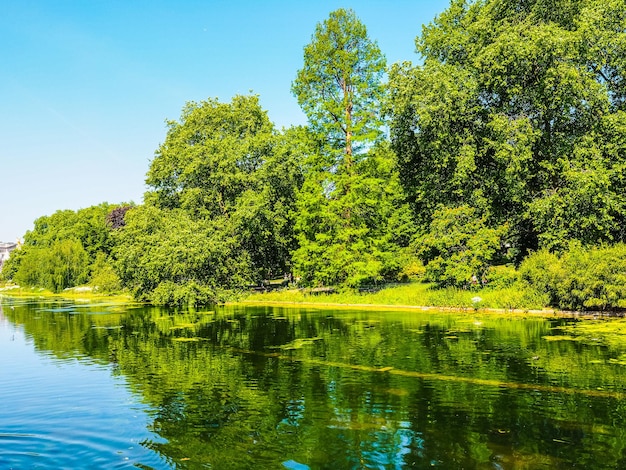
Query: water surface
column 106, row 386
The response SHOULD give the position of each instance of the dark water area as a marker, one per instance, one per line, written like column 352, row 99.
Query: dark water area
column 241, row 387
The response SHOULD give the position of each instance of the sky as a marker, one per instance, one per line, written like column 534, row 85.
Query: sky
column 86, row 86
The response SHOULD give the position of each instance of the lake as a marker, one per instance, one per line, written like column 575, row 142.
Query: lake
column 242, row 387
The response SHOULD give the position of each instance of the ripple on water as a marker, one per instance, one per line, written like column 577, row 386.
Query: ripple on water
column 56, row 451
column 67, row 414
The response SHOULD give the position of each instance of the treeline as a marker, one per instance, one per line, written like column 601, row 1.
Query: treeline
column 506, row 146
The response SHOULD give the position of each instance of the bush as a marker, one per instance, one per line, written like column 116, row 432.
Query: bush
column 459, row 247
column 191, row 294
column 501, row 277
column 581, row 278
column 103, row 276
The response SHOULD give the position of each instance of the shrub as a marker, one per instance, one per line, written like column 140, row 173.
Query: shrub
column 103, row 276
column 501, row 277
column 581, row 278
column 190, row 294
column 459, row 246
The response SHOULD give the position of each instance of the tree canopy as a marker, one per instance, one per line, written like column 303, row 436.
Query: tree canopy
column 65, row 249
column 518, row 111
column 219, row 211
column 508, row 139
column 339, row 86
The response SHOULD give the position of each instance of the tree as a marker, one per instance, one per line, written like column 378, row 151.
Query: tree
column 339, row 87
column 517, row 111
column 367, row 248
column 63, row 249
column 458, row 248
column 345, row 204
column 168, row 247
column 210, row 156
column 220, row 209
column 62, row 264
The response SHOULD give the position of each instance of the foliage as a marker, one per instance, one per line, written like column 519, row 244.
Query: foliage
column 350, row 211
column 502, row 276
column 352, row 233
column 189, row 294
column 166, row 247
column 517, row 110
column 222, row 194
column 103, row 276
column 580, row 278
column 115, row 218
column 459, row 248
column 339, row 86
column 63, row 264
column 210, row 157
column 86, row 225
column 62, row 248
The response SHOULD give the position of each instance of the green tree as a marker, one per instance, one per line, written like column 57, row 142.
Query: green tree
column 220, row 209
column 354, row 237
column 63, row 249
column 339, row 87
column 160, row 248
column 458, row 247
column 348, row 198
column 63, row 264
column 210, row 157
column 517, row 111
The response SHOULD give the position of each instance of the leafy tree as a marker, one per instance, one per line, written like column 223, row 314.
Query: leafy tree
column 220, row 210
column 365, row 246
column 210, row 157
column 339, row 87
column 104, row 279
column 115, row 218
column 62, row 249
column 459, row 248
column 517, row 111
column 62, row 264
column 225, row 163
column 165, row 247
column 348, row 198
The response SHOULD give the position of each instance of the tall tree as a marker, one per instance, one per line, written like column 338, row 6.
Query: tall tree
column 339, row 87
column 517, row 111
column 349, row 198
column 210, row 156
column 220, row 209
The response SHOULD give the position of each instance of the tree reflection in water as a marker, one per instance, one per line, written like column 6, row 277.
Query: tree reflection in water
column 261, row 387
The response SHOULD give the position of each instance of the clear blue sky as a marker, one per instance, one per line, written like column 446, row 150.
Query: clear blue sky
column 86, row 85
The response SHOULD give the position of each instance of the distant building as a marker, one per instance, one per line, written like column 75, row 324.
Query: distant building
column 5, row 250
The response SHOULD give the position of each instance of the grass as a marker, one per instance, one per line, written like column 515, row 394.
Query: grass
column 77, row 294
column 415, row 294
column 412, row 294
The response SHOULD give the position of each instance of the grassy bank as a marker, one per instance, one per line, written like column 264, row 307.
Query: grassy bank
column 76, row 294
column 413, row 294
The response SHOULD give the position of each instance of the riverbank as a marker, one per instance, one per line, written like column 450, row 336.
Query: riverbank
column 397, row 307
column 77, row 294
column 415, row 295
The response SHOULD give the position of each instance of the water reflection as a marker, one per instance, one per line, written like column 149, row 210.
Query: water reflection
column 278, row 388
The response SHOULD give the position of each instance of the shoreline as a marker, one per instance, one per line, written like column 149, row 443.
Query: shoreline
column 546, row 312
column 83, row 297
